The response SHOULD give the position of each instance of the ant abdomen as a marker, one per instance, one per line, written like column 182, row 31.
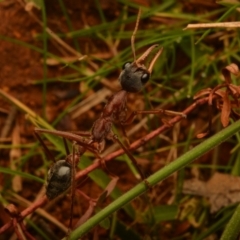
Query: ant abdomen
column 133, row 78
column 58, row 179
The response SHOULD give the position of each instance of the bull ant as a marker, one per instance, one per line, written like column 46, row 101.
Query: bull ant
column 132, row 78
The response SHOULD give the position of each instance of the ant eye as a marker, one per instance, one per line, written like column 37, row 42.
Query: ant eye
column 145, row 77
column 125, row 65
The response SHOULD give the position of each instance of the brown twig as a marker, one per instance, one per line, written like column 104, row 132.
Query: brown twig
column 25, row 213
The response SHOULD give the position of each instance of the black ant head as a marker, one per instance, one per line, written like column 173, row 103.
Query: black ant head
column 133, row 78
column 135, row 75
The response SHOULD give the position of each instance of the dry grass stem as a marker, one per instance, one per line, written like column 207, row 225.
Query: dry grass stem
column 213, row 25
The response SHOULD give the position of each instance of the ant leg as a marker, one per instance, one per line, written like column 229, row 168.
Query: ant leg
column 130, row 119
column 66, row 146
column 73, row 161
column 79, row 141
column 45, row 148
column 114, row 137
column 125, row 134
column 82, row 133
column 103, row 165
column 70, row 136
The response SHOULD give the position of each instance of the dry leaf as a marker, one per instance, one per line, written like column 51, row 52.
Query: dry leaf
column 202, row 135
column 226, row 110
column 202, row 92
column 220, row 93
column 221, row 190
column 232, row 68
column 235, row 90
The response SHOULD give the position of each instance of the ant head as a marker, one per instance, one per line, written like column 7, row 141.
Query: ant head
column 135, row 75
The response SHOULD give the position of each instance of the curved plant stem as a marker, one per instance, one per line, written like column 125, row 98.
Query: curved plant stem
column 232, row 229
column 163, row 173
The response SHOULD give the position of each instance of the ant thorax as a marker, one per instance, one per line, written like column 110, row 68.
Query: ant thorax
column 113, row 111
column 115, row 105
column 58, row 179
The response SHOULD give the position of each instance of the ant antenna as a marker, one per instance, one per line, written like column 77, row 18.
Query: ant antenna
column 134, row 34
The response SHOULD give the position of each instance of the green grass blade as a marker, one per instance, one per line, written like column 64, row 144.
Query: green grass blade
column 22, row 174
column 232, row 229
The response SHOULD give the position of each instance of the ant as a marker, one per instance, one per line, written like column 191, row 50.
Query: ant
column 132, row 79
